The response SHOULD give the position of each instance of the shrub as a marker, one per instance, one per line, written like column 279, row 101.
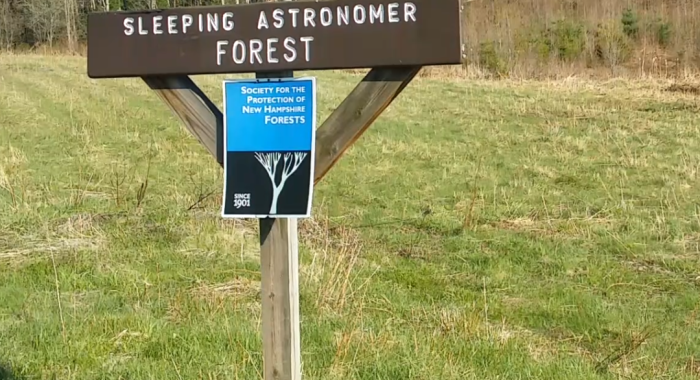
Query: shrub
column 567, row 39
column 630, row 23
column 533, row 41
column 663, row 33
column 612, row 45
column 490, row 60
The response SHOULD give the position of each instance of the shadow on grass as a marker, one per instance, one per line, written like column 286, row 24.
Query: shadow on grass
column 6, row 373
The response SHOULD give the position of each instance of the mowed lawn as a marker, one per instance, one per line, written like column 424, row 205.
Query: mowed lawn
column 479, row 230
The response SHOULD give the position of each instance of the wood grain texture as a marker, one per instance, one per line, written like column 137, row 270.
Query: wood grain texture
column 279, row 260
column 189, row 103
column 278, row 237
column 357, row 112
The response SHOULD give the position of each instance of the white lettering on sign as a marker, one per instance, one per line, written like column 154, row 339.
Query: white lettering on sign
column 250, row 109
column 359, row 14
column 172, row 26
column 376, row 14
column 258, row 51
column 294, row 12
column 284, row 119
column 270, row 100
column 278, row 16
column 309, row 16
column 156, row 25
column 241, row 200
column 187, row 21
column 393, row 12
column 256, row 91
column 211, row 22
column 142, row 31
column 326, row 16
column 262, row 21
column 270, row 50
column 274, row 107
column 285, row 109
column 343, row 15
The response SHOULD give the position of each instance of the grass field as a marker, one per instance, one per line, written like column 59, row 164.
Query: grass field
column 479, row 230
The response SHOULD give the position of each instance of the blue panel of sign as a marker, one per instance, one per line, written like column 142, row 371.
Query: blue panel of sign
column 269, row 144
column 273, row 116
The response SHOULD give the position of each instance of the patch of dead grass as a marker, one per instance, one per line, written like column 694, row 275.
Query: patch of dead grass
column 238, row 288
column 686, row 88
column 692, row 367
column 336, row 254
column 568, row 228
column 82, row 224
column 79, row 232
column 473, row 324
column 209, row 235
column 32, row 247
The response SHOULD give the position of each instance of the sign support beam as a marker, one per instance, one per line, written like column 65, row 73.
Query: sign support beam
column 279, row 237
column 357, row 112
column 343, row 127
column 279, row 247
column 192, row 106
column 279, row 267
column 281, row 325
column 163, row 53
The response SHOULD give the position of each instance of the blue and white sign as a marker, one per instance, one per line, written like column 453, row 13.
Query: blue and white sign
column 269, row 144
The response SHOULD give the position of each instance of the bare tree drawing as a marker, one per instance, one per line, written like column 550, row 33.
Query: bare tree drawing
column 269, row 161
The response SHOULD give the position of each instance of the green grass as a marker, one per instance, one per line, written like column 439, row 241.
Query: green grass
column 562, row 239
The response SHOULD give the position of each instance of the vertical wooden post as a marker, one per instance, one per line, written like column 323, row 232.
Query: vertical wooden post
column 279, row 267
column 279, row 258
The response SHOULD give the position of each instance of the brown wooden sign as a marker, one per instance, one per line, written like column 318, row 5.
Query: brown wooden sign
column 303, row 35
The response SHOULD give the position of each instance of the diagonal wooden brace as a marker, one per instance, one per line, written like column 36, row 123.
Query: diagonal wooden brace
column 278, row 237
column 343, row 127
column 357, row 112
column 199, row 114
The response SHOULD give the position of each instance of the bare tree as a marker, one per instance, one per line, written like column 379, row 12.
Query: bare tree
column 9, row 26
column 270, row 161
column 43, row 18
column 71, row 9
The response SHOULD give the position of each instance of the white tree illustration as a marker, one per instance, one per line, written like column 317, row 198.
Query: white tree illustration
column 269, row 161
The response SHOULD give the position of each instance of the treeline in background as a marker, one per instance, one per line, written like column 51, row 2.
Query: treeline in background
column 534, row 38
column 62, row 24
column 518, row 38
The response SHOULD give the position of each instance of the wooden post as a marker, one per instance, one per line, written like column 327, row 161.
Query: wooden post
column 279, row 267
column 279, row 237
column 162, row 65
